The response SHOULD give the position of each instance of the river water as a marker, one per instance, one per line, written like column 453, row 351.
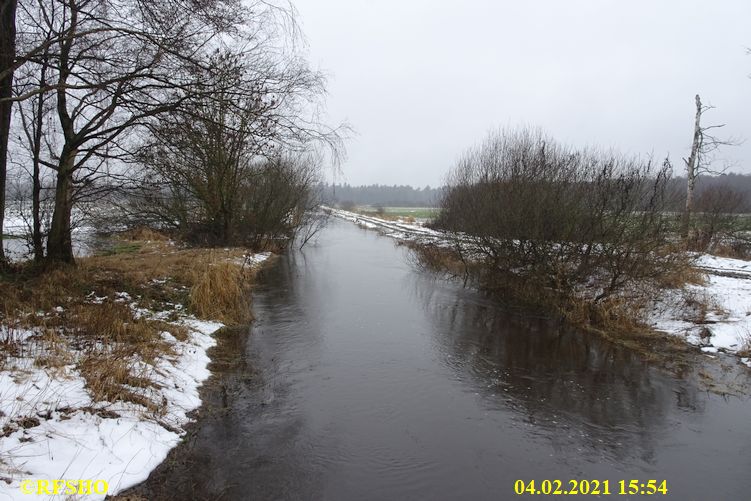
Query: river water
column 366, row 379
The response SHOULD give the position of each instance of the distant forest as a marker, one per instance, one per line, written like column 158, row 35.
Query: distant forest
column 738, row 183
column 407, row 196
column 381, row 194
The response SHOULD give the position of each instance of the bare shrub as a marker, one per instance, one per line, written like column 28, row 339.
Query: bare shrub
column 240, row 167
column 549, row 223
column 718, row 225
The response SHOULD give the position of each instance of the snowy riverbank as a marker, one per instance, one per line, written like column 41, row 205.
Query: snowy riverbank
column 61, row 433
column 52, row 427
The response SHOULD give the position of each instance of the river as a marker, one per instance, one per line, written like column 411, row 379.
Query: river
column 364, row 378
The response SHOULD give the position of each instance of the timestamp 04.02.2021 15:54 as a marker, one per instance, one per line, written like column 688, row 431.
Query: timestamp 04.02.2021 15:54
column 590, row 487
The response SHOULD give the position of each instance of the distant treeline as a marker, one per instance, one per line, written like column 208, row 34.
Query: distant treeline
column 738, row 183
column 407, row 196
column 384, row 195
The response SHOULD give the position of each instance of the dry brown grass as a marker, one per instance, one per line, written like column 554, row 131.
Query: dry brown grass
column 82, row 307
column 745, row 348
column 111, row 377
column 437, row 259
column 143, row 234
column 220, row 291
column 682, row 274
column 55, row 351
column 614, row 314
column 157, row 274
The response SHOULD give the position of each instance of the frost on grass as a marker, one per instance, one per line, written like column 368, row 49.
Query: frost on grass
column 52, row 428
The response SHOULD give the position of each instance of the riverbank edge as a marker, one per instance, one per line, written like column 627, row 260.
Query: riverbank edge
column 54, row 426
column 664, row 333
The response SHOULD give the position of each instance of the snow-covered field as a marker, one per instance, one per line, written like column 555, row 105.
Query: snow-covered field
column 14, row 223
column 724, row 326
column 51, row 428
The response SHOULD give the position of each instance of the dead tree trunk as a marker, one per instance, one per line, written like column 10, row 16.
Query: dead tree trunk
column 692, row 169
column 7, row 58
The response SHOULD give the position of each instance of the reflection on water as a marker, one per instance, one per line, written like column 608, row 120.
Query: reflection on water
column 364, row 379
column 577, row 389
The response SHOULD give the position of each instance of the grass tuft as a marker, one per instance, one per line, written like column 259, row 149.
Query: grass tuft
column 110, row 377
column 220, row 291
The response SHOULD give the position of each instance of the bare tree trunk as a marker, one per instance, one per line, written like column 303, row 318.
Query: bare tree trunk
column 7, row 57
column 692, row 170
column 59, row 245
column 36, row 175
column 59, row 242
column 37, row 242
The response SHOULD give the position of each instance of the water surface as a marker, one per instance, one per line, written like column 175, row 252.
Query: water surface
column 365, row 379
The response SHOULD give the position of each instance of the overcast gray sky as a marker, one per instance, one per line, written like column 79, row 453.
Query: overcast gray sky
column 422, row 80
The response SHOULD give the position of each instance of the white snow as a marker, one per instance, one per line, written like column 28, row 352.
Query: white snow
column 400, row 230
column 726, row 325
column 256, row 259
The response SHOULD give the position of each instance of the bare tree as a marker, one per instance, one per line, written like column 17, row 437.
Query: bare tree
column 215, row 168
column 35, row 116
column 113, row 66
column 699, row 161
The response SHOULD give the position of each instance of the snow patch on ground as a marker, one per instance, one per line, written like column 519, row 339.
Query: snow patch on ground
column 726, row 324
column 256, row 259
column 63, row 434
